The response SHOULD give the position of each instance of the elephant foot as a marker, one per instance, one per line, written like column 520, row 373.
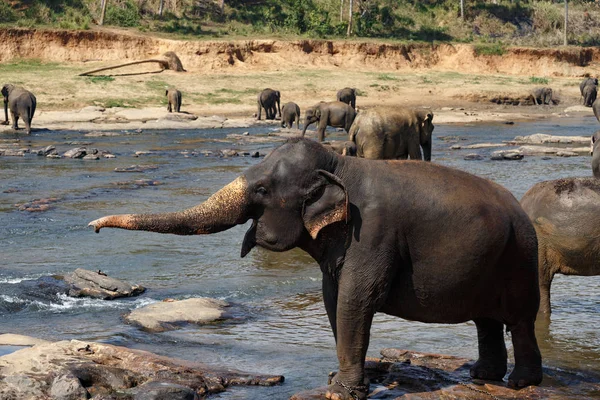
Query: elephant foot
column 489, row 370
column 525, row 376
column 5, row 123
column 339, row 390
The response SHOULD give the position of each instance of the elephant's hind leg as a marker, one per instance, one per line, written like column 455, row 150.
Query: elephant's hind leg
column 528, row 359
column 27, row 123
column 492, row 361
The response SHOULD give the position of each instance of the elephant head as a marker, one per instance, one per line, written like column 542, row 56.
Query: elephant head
column 425, row 121
column 311, row 115
column 290, row 196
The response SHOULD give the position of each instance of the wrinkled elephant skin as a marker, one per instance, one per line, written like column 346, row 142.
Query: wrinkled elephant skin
column 449, row 247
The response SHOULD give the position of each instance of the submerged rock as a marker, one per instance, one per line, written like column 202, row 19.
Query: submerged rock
column 84, row 283
column 404, row 374
column 79, row 370
column 168, row 315
column 78, row 152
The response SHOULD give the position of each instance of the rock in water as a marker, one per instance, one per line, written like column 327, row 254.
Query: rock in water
column 96, row 284
column 404, row 374
column 82, row 370
column 159, row 317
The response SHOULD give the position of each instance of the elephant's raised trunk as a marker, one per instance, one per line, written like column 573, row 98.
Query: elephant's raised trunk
column 223, row 210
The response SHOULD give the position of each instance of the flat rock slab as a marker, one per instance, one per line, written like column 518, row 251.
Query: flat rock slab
column 169, row 315
column 404, row 374
column 542, row 138
column 552, row 151
column 84, row 283
column 81, row 370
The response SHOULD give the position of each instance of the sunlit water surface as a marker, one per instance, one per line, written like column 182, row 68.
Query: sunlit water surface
column 282, row 327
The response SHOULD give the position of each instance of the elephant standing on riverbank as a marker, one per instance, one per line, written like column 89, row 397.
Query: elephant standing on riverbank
column 414, row 240
column 393, row 133
column 333, row 113
column 21, row 103
column 590, row 92
column 173, row 100
column 587, row 81
column 542, row 96
column 269, row 99
column 348, row 96
column 566, row 217
column 290, row 112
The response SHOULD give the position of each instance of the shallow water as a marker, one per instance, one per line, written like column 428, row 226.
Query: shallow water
column 284, row 329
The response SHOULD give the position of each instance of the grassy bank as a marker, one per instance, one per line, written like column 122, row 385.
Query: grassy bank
column 504, row 22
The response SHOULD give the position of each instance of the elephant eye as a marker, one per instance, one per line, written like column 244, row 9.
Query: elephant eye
column 260, row 190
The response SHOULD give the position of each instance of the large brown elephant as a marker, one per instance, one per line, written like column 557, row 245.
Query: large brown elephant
column 448, row 247
column 347, row 95
column 393, row 133
column 270, row 100
column 21, row 103
column 332, row 113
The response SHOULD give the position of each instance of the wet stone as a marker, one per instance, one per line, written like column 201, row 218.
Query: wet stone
column 91, row 157
column 473, row 157
column 136, row 168
column 97, row 284
column 78, row 152
column 229, row 153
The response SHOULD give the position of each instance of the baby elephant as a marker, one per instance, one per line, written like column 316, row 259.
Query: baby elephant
column 21, row 103
column 542, row 96
column 347, row 95
column 590, row 92
column 174, row 99
column 290, row 112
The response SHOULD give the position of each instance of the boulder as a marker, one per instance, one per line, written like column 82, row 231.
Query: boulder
column 473, row 157
column 404, row 374
column 542, row 138
column 545, row 151
column 507, row 155
column 168, row 315
column 78, row 152
column 84, row 283
column 73, row 369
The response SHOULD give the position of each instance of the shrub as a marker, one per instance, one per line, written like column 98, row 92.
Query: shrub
column 494, row 49
column 7, row 14
column 126, row 14
column 538, row 81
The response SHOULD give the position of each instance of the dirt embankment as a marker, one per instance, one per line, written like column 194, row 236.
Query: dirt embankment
column 269, row 55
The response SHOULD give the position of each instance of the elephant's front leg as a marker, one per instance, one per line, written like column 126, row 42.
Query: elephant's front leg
column 354, row 315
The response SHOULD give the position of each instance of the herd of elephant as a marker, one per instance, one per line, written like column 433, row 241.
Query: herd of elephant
column 413, row 239
column 377, row 133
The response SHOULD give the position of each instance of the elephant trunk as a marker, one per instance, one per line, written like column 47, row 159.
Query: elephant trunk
column 223, row 210
column 427, row 152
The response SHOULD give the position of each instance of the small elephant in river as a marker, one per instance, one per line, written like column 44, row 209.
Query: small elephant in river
column 542, row 96
column 449, row 247
column 344, row 148
column 590, row 92
column 173, row 99
column 21, row 103
column 393, row 133
column 269, row 99
column 332, row 113
column 348, row 96
column 290, row 112
column 566, row 216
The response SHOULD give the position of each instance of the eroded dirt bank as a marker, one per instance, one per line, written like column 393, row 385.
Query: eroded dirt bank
column 223, row 55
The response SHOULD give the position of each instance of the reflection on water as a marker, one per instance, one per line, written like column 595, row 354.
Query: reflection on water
column 284, row 328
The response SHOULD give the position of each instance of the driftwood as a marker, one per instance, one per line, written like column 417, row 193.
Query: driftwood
column 170, row 61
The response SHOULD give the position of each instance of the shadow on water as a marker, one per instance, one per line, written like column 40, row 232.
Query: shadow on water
column 286, row 330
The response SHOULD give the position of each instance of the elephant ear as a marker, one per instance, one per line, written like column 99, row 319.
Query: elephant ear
column 326, row 203
column 318, row 112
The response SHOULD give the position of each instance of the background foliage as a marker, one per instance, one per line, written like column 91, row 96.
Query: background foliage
column 499, row 22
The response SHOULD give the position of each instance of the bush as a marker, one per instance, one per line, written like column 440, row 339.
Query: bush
column 7, row 14
column 547, row 17
column 74, row 19
column 126, row 14
column 495, row 49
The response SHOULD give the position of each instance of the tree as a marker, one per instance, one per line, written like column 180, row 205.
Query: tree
column 103, row 11
column 566, row 21
column 462, row 9
column 351, row 2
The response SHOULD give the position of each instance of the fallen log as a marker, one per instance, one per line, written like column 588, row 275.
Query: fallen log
column 170, row 61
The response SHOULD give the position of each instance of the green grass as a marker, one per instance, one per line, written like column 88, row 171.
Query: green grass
column 494, row 49
column 100, row 79
column 538, row 81
column 386, row 77
column 110, row 103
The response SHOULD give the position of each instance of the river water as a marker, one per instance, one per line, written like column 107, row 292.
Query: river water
column 282, row 328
